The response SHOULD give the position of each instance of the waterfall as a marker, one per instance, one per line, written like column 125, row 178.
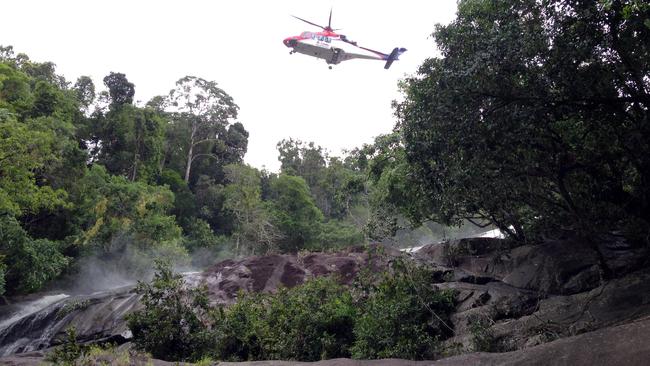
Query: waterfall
column 28, row 308
column 99, row 316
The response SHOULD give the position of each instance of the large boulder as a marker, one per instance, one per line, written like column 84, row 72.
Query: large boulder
column 556, row 267
column 618, row 345
column 615, row 302
column 98, row 317
column 512, row 297
column 267, row 273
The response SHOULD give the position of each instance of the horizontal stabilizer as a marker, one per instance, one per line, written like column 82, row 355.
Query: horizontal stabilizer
column 394, row 56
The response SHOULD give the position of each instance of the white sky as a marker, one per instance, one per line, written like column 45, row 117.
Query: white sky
column 239, row 45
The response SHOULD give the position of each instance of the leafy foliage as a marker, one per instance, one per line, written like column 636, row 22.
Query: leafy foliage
column 254, row 230
column 202, row 114
column 535, row 117
column 294, row 212
column 28, row 263
column 131, row 142
column 310, row 322
column 170, row 325
column 335, row 185
column 24, row 150
column 397, row 315
column 120, row 89
column 3, row 269
column 67, row 353
column 403, row 316
column 335, row 234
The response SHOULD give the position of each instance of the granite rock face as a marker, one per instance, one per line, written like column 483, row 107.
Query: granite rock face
column 267, row 273
column 535, row 304
column 100, row 317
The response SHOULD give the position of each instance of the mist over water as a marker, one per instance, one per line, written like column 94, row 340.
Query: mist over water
column 28, row 308
column 430, row 233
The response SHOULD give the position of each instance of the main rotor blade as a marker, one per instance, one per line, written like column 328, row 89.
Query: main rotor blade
column 308, row 22
column 329, row 23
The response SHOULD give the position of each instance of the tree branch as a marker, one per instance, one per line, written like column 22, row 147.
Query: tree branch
column 200, row 155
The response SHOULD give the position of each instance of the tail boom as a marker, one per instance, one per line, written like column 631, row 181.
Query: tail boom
column 397, row 51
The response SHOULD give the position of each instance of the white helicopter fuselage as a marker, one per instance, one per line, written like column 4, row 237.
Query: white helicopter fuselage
column 335, row 48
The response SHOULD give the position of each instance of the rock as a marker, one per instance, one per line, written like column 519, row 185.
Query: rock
column 618, row 301
column 100, row 317
column 95, row 318
column 527, row 296
column 267, row 273
column 619, row 345
column 621, row 256
column 489, row 302
column 554, row 267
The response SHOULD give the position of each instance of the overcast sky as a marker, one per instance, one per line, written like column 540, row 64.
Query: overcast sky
column 239, row 45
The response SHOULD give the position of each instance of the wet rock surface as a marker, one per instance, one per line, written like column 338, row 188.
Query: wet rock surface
column 267, row 273
column 100, row 317
column 97, row 317
column 516, row 297
column 545, row 299
column 620, row 345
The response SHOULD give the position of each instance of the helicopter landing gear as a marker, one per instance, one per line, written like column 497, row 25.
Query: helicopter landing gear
column 330, row 67
column 292, row 52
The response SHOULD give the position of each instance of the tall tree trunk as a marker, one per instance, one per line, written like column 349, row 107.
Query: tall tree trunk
column 136, row 154
column 188, row 167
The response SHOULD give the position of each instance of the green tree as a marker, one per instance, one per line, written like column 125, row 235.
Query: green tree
column 310, row 322
column 294, row 213
column 120, row 89
column 28, row 264
column 85, row 91
column 116, row 217
column 171, row 324
column 24, row 151
column 15, row 93
column 131, row 140
column 185, row 204
column 242, row 198
column 403, row 316
column 534, row 118
column 334, row 186
column 204, row 111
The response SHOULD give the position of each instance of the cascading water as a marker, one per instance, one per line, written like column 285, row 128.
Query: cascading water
column 28, row 308
column 42, row 323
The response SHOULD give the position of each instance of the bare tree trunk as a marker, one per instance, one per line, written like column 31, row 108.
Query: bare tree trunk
column 188, row 167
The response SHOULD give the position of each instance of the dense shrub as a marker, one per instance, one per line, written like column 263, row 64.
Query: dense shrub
column 3, row 268
column 307, row 323
column 311, row 322
column 336, row 234
column 30, row 263
column 67, row 353
column 398, row 314
column 171, row 324
column 403, row 316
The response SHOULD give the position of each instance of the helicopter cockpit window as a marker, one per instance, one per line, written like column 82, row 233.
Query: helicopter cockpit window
column 322, row 38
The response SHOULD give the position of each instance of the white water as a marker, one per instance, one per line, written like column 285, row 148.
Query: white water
column 31, row 307
column 25, row 309
column 496, row 233
column 193, row 278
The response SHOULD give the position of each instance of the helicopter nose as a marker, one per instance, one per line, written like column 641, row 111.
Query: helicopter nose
column 290, row 42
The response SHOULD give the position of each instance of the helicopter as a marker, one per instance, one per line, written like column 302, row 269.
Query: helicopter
column 335, row 48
